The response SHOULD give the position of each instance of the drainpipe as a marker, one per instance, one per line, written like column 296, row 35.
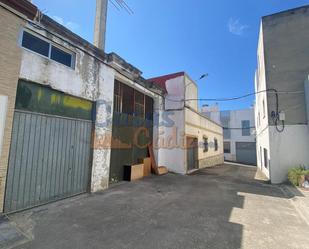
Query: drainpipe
column 100, row 24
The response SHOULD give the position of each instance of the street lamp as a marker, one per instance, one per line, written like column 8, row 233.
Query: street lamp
column 200, row 78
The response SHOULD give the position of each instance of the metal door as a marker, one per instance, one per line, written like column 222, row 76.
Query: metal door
column 192, row 153
column 49, row 159
column 246, row 153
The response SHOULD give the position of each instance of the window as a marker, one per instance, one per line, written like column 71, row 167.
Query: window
column 117, row 97
column 245, row 125
column 139, row 102
column 35, row 44
column 61, row 56
column 259, row 119
column 129, row 101
column 216, row 144
column 205, row 144
column 265, row 158
column 46, row 49
column 227, row 147
column 148, row 108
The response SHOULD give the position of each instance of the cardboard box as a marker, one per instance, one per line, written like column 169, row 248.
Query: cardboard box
column 133, row 172
column 147, row 166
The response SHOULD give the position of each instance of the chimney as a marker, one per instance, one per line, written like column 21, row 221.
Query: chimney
column 100, row 24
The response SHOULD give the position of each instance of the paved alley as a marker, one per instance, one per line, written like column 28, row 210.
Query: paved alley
column 221, row 207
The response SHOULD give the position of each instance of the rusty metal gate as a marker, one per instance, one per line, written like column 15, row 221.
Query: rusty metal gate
column 49, row 156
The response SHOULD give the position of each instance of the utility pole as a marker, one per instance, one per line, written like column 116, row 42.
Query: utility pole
column 100, row 24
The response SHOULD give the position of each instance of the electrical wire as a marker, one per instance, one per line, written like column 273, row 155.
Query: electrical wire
column 239, row 97
column 123, row 5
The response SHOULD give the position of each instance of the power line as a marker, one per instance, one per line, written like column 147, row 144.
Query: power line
column 247, row 95
column 122, row 4
column 239, row 97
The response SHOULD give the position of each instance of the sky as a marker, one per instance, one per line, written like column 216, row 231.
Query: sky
column 167, row 36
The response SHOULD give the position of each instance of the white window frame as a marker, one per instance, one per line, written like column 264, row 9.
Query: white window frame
column 73, row 55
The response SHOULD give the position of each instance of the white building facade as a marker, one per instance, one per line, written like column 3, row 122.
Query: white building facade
column 238, row 132
column 280, row 111
column 187, row 140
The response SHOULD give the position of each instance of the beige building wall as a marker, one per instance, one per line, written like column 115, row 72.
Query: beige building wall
column 10, row 59
column 199, row 127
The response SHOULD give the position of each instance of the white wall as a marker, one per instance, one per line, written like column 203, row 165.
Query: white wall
column 262, row 128
column 191, row 93
column 236, row 118
column 261, row 144
column 307, row 98
column 175, row 93
column 3, row 110
column 170, row 142
column 287, row 150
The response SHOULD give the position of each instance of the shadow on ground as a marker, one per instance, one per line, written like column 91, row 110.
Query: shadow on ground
column 221, row 207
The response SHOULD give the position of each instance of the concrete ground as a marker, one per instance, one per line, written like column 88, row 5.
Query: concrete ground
column 221, row 207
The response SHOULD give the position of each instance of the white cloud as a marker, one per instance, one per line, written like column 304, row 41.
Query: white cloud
column 68, row 24
column 236, row 28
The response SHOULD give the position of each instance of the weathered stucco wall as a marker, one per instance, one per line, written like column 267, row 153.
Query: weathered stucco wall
column 286, row 37
column 10, row 57
column 282, row 65
column 92, row 80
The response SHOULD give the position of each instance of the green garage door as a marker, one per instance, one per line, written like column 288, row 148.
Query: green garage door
column 51, row 147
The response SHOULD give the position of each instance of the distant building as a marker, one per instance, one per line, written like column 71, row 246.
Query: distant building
column 192, row 141
column 238, row 133
column 280, row 111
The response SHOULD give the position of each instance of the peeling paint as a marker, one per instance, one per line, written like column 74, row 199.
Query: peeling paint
column 90, row 80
